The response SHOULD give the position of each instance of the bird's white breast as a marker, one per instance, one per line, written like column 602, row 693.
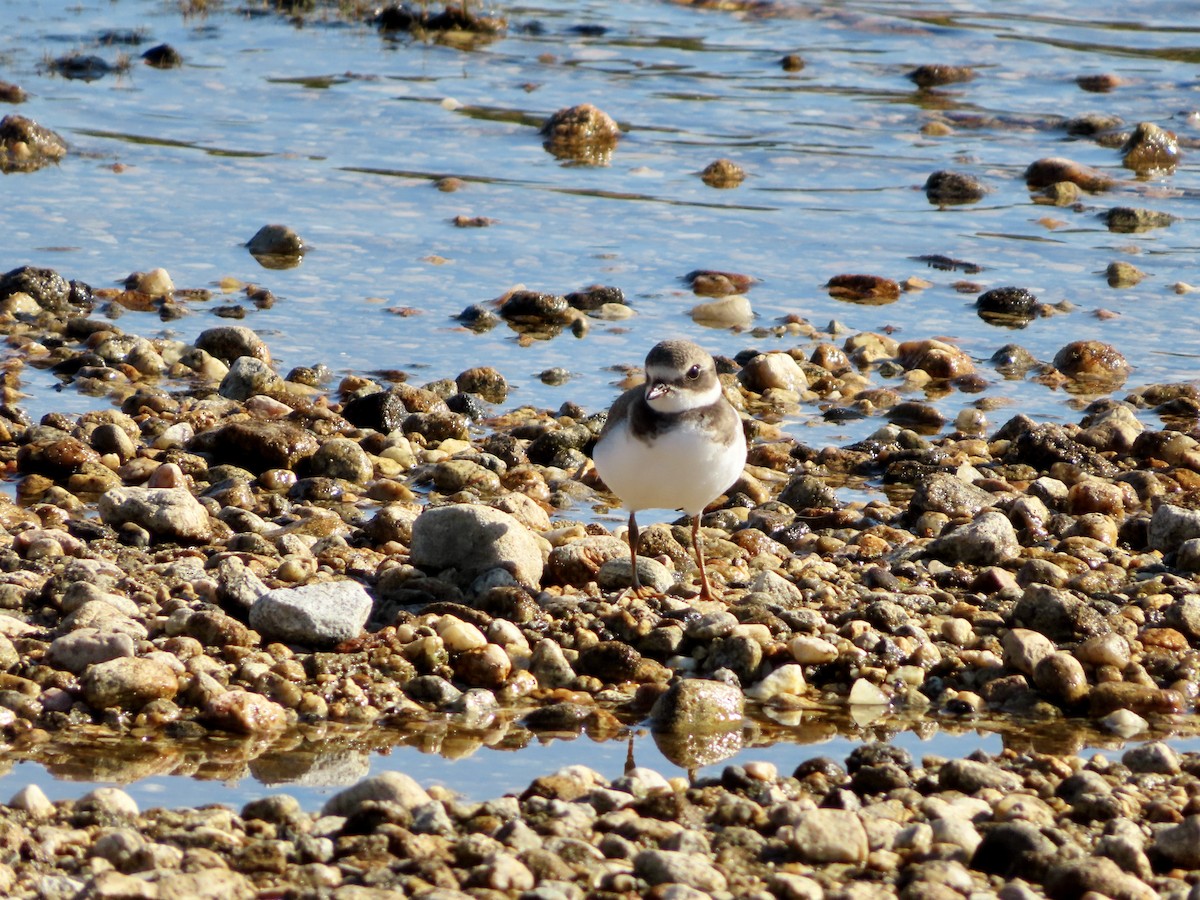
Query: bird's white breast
column 680, row 468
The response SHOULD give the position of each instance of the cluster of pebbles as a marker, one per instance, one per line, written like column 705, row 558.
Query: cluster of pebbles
column 225, row 549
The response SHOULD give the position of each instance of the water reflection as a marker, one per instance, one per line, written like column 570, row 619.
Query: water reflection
column 312, row 761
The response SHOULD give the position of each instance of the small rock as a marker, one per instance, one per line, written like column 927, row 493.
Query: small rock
column 1121, row 274
column 1150, row 149
column 697, row 706
column 248, row 377
column 944, row 188
column 1133, row 220
column 678, row 867
column 726, row 312
column 988, row 540
column 723, row 173
column 319, row 614
column 873, row 290
column 1090, row 361
column 1045, row 172
column 277, row 247
column 171, row 514
column 474, row 539
column 939, row 74
column 243, row 712
column 128, row 683
column 582, row 133
column 388, row 787
column 824, row 836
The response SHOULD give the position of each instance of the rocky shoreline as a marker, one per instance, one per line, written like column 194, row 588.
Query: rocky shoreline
column 226, row 549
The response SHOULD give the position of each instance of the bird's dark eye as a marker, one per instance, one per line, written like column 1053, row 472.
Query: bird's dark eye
column 693, row 373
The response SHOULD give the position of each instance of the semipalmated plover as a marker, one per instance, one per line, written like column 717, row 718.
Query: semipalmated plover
column 674, row 442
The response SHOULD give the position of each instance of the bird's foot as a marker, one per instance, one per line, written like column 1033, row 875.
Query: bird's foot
column 637, row 592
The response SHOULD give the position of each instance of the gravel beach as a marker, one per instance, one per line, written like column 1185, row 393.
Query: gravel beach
column 231, row 550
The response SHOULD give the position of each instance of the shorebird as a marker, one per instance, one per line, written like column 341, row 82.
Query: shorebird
column 674, row 442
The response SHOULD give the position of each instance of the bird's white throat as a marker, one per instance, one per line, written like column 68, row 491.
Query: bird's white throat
column 681, row 398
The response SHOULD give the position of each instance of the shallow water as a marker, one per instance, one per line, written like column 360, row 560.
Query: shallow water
column 339, row 132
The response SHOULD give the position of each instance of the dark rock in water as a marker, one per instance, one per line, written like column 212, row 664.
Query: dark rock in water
column 723, row 173
column 26, row 146
column 707, row 283
column 1091, row 360
column 12, row 93
column 1092, row 123
column 594, row 297
column 48, row 289
column 1150, row 149
column 581, row 133
column 869, row 289
column 944, row 188
column 1043, row 445
column 163, row 56
column 485, row 381
column 437, row 426
column 696, row 706
column 1007, row 305
column 533, row 307
column 1013, row 360
column 277, row 247
column 920, row 417
column 257, row 446
column 383, row 411
column 467, row 404
column 1100, row 83
column 1121, row 274
column 1045, row 172
column 1133, row 219
column 793, row 62
column 454, row 17
column 478, row 318
column 935, row 75
column 229, row 342
column 82, row 66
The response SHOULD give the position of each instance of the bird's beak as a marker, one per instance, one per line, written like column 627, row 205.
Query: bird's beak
column 657, row 389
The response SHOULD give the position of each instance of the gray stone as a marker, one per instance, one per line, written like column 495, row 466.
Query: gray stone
column 276, row 241
column 237, row 584
column 171, row 514
column 388, row 787
column 1095, row 876
column 474, row 539
column 549, row 665
column 987, row 541
column 318, row 614
column 1024, row 649
column 247, row 377
column 969, row 776
column 615, row 574
column 342, row 458
column 1180, row 844
column 228, row 342
column 950, row 495
column 76, row 650
column 697, row 706
column 1171, row 525
column 128, row 683
column 1155, row 758
column 830, row 836
column 676, row 867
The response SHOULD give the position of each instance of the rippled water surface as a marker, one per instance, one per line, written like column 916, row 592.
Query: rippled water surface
column 324, row 124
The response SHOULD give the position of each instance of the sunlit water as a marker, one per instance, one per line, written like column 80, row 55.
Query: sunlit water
column 340, row 133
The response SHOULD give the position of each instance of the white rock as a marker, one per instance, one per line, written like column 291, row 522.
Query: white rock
column 787, row 679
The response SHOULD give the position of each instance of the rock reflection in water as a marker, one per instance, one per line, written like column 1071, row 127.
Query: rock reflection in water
column 330, row 755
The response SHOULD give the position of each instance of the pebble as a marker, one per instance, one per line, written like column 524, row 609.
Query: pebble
column 316, row 615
